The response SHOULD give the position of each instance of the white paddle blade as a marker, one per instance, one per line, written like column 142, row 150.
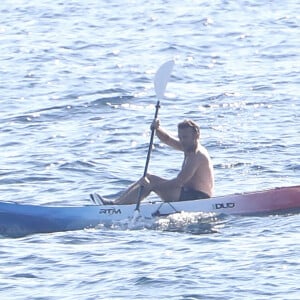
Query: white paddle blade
column 162, row 77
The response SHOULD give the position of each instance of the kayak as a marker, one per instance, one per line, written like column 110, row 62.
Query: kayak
column 22, row 219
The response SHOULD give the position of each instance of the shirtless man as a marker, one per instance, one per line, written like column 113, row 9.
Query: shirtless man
column 195, row 179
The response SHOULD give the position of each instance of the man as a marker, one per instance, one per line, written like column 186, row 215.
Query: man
column 195, row 179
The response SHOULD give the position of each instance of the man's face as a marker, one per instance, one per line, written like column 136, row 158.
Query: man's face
column 187, row 138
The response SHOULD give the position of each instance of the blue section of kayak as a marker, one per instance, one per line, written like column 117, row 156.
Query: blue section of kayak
column 19, row 220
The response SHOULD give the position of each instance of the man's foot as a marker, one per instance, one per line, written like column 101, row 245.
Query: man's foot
column 99, row 200
column 108, row 202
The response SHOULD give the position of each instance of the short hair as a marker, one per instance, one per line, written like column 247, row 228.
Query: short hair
column 189, row 124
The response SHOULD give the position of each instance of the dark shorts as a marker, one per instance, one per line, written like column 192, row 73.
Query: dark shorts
column 189, row 194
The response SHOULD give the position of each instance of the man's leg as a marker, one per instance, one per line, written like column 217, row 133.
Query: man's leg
column 130, row 196
column 164, row 188
column 159, row 185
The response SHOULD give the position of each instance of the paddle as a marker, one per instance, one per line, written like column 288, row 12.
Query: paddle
column 161, row 79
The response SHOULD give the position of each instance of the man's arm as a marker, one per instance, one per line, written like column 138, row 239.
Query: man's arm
column 165, row 137
column 188, row 170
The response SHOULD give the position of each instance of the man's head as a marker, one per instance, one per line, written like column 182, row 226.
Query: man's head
column 188, row 134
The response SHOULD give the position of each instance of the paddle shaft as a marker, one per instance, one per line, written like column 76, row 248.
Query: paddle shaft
column 151, row 138
column 161, row 79
column 141, row 188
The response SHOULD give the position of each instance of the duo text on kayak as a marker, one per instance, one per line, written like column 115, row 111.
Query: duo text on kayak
column 224, row 205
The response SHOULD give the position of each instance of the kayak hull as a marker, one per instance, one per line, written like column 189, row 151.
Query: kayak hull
column 20, row 220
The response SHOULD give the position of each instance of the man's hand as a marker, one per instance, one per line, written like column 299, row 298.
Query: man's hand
column 155, row 124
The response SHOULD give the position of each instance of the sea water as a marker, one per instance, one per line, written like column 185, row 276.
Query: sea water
column 77, row 100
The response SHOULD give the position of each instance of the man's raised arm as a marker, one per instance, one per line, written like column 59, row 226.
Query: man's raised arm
column 165, row 137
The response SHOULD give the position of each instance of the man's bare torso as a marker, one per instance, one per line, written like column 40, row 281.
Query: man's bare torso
column 202, row 177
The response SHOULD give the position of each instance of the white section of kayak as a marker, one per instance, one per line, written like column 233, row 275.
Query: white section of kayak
column 28, row 219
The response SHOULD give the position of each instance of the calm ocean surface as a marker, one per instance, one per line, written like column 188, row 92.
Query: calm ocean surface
column 77, row 101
